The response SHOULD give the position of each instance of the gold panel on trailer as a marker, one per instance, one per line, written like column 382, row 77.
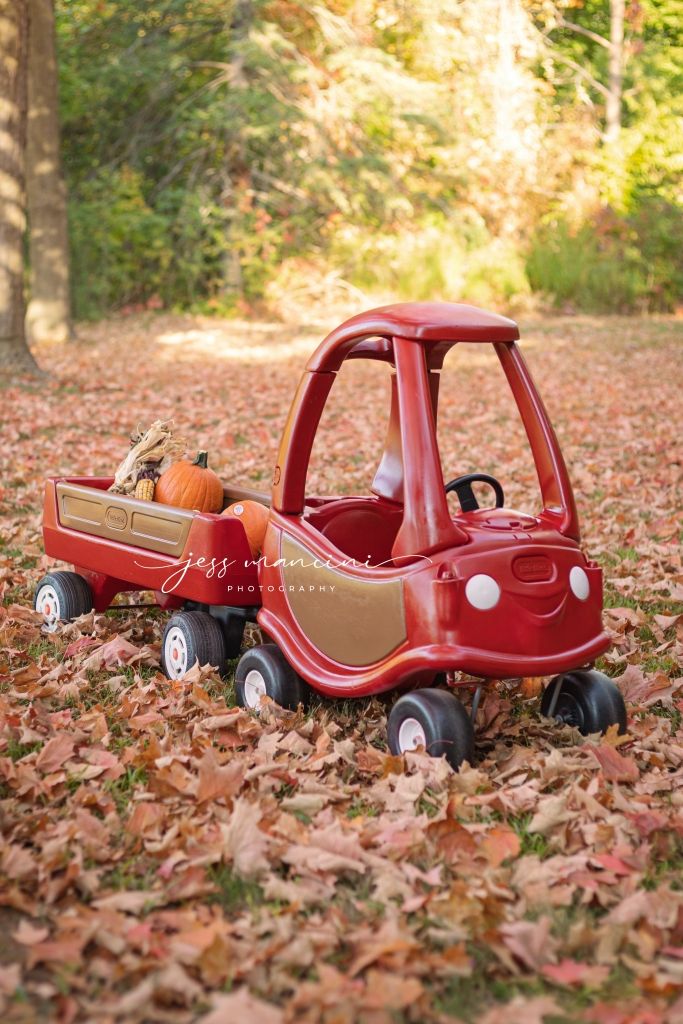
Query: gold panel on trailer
column 126, row 520
column 359, row 622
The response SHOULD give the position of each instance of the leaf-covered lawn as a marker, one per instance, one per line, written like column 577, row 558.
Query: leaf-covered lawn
column 165, row 854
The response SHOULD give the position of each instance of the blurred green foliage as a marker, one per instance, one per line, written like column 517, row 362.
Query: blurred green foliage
column 215, row 148
column 612, row 264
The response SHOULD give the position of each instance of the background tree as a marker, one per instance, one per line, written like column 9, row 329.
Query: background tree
column 48, row 317
column 588, row 23
column 223, row 151
column 615, row 70
column 14, row 353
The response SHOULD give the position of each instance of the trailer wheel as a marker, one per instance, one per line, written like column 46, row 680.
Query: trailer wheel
column 191, row 637
column 590, row 701
column 435, row 720
column 263, row 671
column 62, row 596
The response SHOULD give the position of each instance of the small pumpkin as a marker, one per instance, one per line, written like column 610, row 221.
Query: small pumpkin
column 254, row 518
column 191, row 485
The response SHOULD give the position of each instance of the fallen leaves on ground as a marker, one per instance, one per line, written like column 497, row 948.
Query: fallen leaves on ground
column 165, row 856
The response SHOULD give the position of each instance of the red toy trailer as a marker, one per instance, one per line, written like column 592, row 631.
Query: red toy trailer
column 363, row 594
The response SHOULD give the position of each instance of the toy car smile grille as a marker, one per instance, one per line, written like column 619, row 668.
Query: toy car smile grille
column 533, row 568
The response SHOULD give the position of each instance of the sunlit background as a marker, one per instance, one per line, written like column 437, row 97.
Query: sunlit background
column 222, row 157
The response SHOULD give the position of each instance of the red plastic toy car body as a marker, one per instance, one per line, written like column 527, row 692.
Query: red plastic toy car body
column 368, row 593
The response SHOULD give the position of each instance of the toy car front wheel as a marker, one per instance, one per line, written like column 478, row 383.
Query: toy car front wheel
column 263, row 671
column 191, row 637
column 62, row 596
column 434, row 720
column 589, row 700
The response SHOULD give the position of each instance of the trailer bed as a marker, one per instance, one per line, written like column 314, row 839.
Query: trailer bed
column 123, row 543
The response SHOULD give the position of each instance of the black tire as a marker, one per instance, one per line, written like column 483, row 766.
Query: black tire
column 191, row 637
column 61, row 597
column 264, row 670
column 588, row 700
column 445, row 724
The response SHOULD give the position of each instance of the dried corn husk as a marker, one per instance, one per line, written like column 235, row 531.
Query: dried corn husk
column 144, row 489
column 158, row 444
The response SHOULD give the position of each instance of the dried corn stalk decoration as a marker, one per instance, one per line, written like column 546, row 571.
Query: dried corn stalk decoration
column 144, row 489
column 152, row 451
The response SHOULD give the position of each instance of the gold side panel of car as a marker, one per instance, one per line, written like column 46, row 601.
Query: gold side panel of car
column 126, row 520
column 350, row 620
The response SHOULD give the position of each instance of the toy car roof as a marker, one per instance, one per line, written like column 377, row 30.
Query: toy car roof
column 431, row 323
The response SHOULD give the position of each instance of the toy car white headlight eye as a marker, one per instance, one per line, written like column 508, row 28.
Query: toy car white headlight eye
column 579, row 583
column 482, row 592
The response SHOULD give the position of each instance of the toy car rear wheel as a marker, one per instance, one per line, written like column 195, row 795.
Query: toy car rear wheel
column 435, row 720
column 62, row 596
column 263, row 671
column 191, row 637
column 588, row 700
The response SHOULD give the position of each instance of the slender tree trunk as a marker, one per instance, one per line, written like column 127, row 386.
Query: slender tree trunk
column 614, row 72
column 235, row 169
column 14, row 353
column 48, row 317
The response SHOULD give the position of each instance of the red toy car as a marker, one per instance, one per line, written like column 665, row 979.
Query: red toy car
column 359, row 595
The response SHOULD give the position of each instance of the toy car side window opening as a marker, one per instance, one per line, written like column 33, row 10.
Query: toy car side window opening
column 348, row 446
column 350, row 436
column 479, row 430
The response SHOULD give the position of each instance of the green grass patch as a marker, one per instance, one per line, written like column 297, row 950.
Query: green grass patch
column 17, row 750
column 427, row 805
column 131, row 874
column 467, row 998
column 530, row 842
column 360, row 809
column 234, row 893
column 666, row 711
column 121, row 789
column 666, row 864
column 43, row 646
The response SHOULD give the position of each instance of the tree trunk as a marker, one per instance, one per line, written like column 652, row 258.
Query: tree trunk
column 235, row 169
column 48, row 317
column 14, row 353
column 614, row 73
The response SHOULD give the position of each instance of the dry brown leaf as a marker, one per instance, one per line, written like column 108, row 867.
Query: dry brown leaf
column 522, row 1010
column 614, row 765
column 215, row 780
column 530, row 941
column 499, row 844
column 28, row 934
column 241, row 1006
column 55, row 752
column 244, row 844
column 570, row 972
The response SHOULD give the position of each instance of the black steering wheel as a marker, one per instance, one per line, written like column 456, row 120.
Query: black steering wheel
column 462, row 485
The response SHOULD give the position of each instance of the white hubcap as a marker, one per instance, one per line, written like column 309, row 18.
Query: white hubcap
column 411, row 735
column 175, row 652
column 47, row 603
column 254, row 689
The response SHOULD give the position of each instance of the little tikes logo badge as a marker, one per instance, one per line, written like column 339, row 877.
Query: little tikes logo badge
column 116, row 518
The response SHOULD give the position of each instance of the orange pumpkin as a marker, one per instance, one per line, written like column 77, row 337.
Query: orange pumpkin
column 191, row 485
column 254, row 518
